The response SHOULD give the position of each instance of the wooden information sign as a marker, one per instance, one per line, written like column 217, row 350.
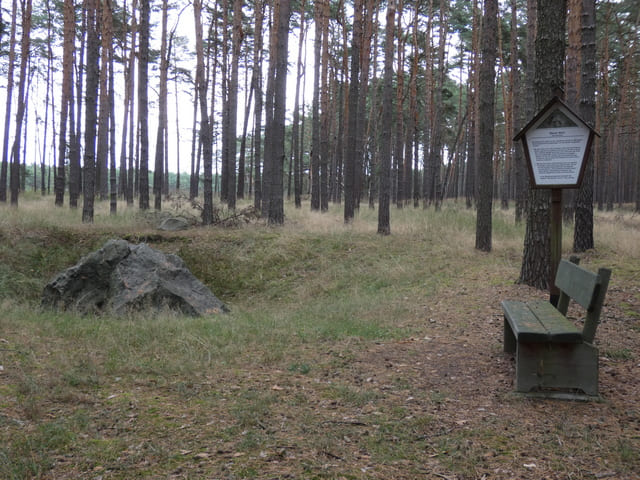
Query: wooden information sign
column 557, row 144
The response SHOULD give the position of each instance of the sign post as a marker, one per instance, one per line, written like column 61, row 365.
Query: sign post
column 556, row 143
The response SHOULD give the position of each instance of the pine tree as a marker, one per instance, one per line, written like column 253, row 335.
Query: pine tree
column 384, row 224
column 486, row 93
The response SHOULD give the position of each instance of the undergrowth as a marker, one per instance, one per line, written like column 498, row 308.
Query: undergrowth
column 105, row 396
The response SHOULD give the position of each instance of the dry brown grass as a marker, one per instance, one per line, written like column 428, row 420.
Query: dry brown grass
column 346, row 355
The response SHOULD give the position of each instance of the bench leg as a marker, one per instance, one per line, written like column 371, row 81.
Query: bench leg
column 559, row 366
column 509, row 342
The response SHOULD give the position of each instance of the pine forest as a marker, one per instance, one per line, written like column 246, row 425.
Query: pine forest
column 320, row 239
column 363, row 103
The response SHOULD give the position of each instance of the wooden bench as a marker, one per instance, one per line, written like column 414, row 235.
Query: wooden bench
column 553, row 356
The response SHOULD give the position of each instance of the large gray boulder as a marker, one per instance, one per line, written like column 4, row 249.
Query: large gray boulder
column 123, row 277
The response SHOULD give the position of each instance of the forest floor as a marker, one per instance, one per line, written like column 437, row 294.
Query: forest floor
column 432, row 400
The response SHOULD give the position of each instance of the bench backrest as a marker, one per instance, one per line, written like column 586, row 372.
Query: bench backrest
column 586, row 288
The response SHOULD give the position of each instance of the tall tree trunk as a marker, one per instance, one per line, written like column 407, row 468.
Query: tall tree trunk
column 398, row 155
column 25, row 44
column 269, row 106
column 583, row 228
column 436, row 136
column 373, row 121
column 224, row 94
column 158, row 172
column 103, row 115
column 549, row 79
column 636, row 185
column 25, row 130
column 412, row 185
column 507, row 101
column 295, row 134
column 276, row 194
column 362, row 135
column 113, row 174
column 336, row 180
column 470, row 182
column 257, row 111
column 325, row 117
column 193, row 177
column 205, row 127
column 75, row 168
column 603, row 114
column 232, row 104
column 384, row 225
column 48, row 101
column 486, row 92
column 8, row 104
column 65, row 99
column 315, row 108
column 128, row 79
column 572, row 86
column 177, row 110
column 132, row 170
column 143, row 104
column 521, row 173
column 343, row 111
column 350, row 160
column 243, row 142
column 91, row 106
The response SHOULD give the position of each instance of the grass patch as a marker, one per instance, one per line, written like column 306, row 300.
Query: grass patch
column 619, row 354
column 345, row 355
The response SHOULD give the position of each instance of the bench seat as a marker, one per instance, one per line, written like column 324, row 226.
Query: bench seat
column 552, row 355
column 539, row 322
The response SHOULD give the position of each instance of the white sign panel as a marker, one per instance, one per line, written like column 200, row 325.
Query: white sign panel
column 557, row 143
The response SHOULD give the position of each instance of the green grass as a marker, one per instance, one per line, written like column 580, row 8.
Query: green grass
column 316, row 372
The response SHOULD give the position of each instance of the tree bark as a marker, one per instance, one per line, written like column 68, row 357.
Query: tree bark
column 128, row 79
column 9, row 103
column 325, row 116
column 158, row 171
column 583, row 228
column 384, row 225
column 143, row 104
column 372, row 122
column 257, row 85
column 232, row 104
column 276, row 193
column 398, row 135
column 65, row 99
column 362, row 137
column 315, row 109
column 352, row 123
column 243, row 142
column 436, row 136
column 412, row 185
column 295, row 129
column 486, row 94
column 48, row 101
column 91, row 105
column 75, row 124
column 549, row 79
column 25, row 44
column 205, row 128
column 130, row 124
column 102, row 154
column 269, row 117
column 521, row 173
column 472, row 137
